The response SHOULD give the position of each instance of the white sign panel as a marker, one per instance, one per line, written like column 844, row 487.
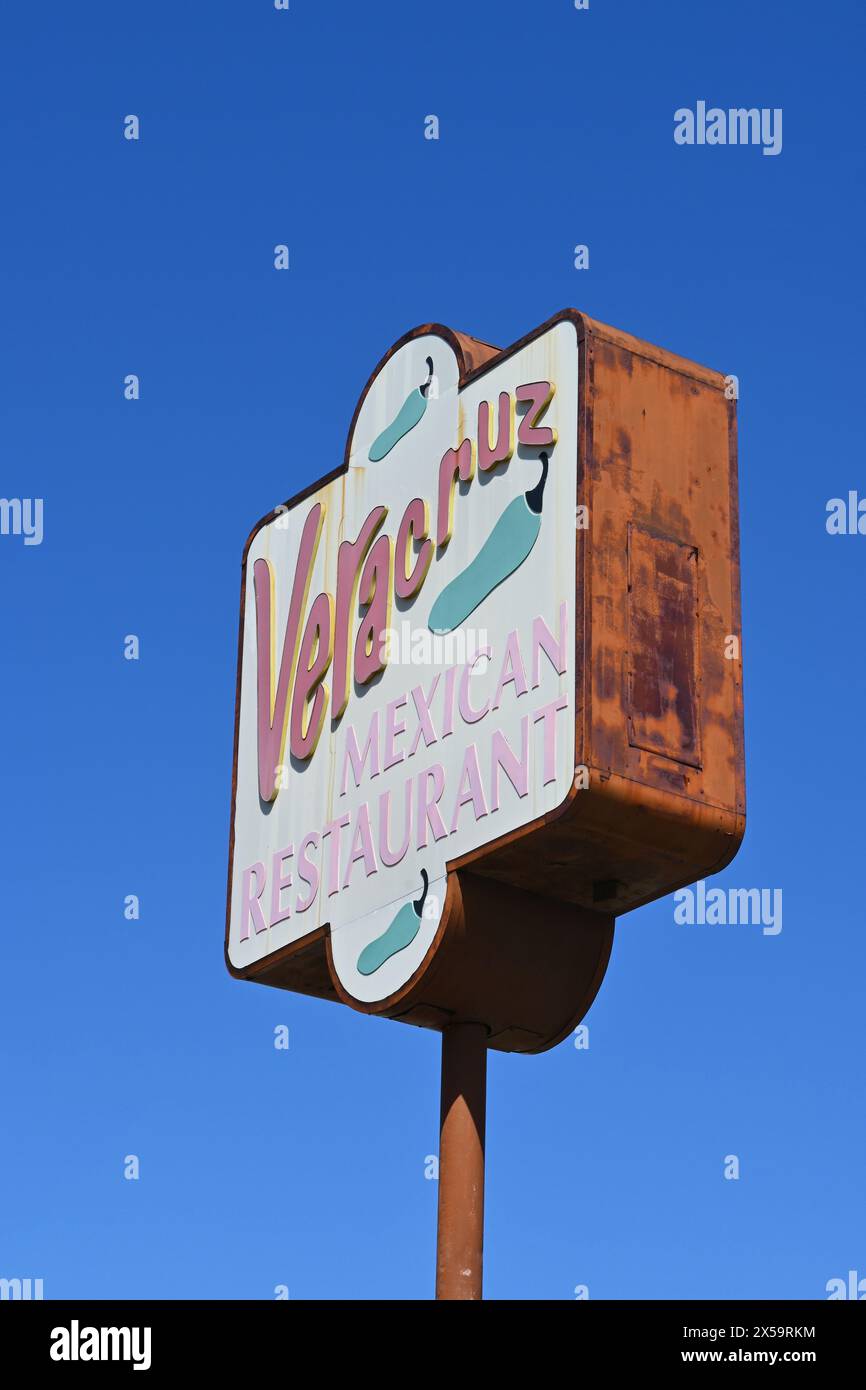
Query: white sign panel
column 407, row 659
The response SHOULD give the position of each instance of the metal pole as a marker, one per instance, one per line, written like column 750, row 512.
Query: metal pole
column 461, row 1162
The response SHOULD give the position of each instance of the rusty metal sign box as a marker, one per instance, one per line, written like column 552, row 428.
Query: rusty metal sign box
column 648, row 792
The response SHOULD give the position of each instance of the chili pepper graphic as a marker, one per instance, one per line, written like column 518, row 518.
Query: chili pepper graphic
column 401, row 933
column 405, row 420
column 504, row 551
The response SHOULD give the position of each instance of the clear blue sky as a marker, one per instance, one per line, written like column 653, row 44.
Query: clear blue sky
column 306, row 1167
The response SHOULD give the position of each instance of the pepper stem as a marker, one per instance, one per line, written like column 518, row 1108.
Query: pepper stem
column 535, row 494
column 418, row 904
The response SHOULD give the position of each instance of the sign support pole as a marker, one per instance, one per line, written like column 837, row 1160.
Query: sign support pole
column 460, row 1237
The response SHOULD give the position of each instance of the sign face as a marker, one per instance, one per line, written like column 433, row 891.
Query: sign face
column 406, row 693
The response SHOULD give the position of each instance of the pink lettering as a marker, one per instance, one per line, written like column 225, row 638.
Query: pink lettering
column 307, row 872
column 469, row 788
column 491, row 452
column 362, row 846
column 538, row 394
column 548, row 714
column 555, row 650
column 503, row 757
column 428, row 805
column 278, row 884
column 251, row 909
column 273, row 705
column 467, row 713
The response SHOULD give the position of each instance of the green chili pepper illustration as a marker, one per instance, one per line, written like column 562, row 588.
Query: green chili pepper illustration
column 400, row 934
column 405, row 420
column 504, row 551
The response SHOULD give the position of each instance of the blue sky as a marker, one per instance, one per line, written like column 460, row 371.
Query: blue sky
column 306, row 1167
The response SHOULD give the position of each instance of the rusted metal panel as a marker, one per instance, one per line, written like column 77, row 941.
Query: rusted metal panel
column 663, row 712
